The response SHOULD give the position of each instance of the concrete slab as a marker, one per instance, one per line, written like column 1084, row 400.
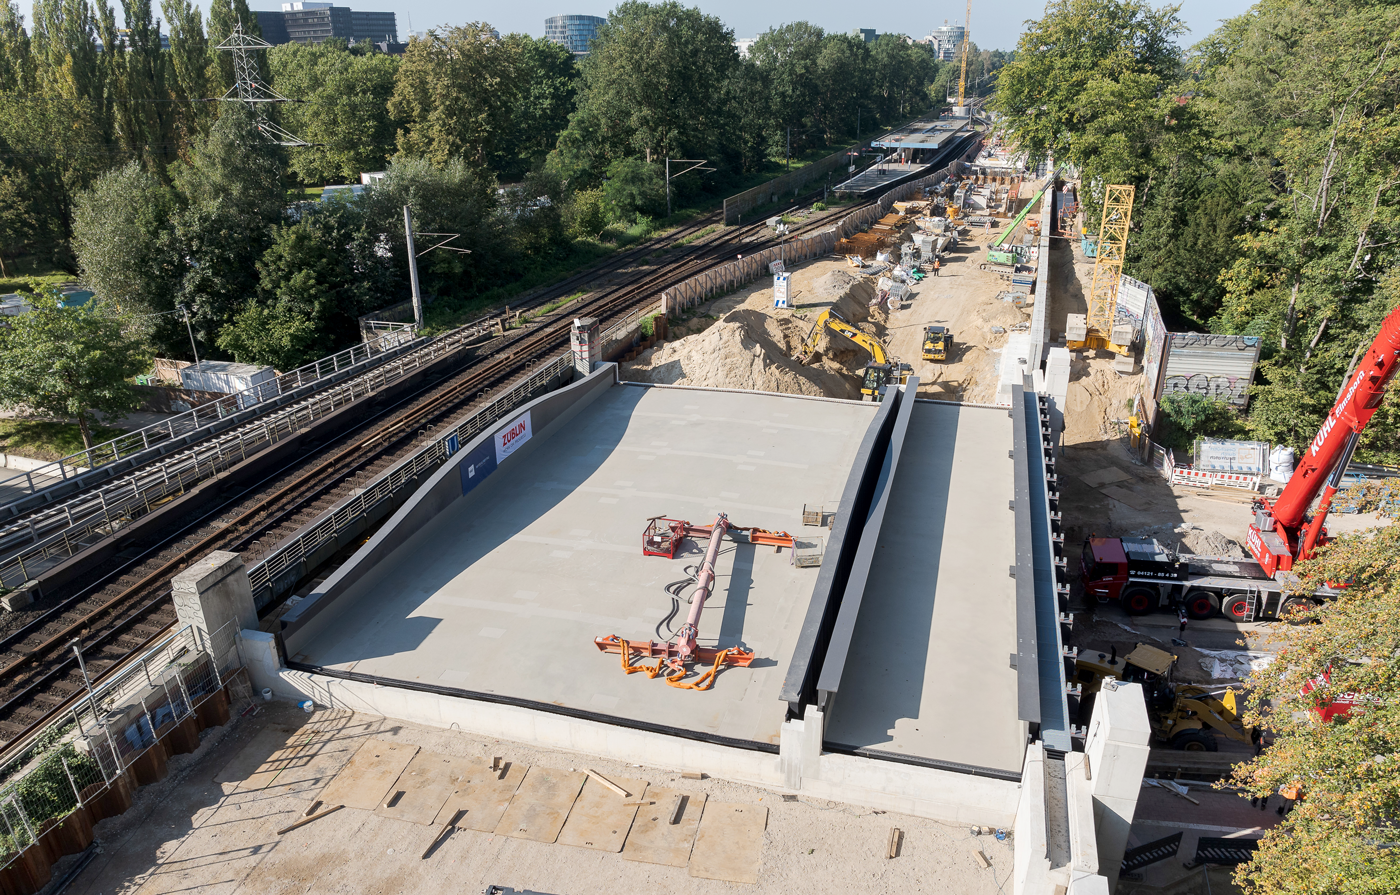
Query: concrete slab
column 505, row 590
column 929, row 675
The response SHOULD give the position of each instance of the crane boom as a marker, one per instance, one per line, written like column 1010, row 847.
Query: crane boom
column 967, row 38
column 1282, row 532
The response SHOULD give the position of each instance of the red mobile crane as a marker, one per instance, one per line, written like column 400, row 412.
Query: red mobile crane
column 1143, row 575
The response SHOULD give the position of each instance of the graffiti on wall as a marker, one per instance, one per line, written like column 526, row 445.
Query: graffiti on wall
column 1210, row 365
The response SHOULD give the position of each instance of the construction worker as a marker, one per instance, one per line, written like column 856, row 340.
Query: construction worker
column 936, row 265
column 1292, row 794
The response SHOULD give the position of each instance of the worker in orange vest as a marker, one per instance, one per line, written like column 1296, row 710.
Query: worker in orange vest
column 936, row 265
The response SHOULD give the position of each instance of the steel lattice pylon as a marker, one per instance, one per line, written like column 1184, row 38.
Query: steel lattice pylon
column 247, row 88
column 1108, row 266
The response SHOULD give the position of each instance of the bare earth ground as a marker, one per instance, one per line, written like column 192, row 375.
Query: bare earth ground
column 208, row 828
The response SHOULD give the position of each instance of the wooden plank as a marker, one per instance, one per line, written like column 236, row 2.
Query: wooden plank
column 426, row 783
column 601, row 818
column 729, row 845
column 654, row 839
column 484, row 794
column 365, row 781
column 541, row 804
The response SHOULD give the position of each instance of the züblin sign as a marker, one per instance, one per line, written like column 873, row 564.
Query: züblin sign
column 513, row 436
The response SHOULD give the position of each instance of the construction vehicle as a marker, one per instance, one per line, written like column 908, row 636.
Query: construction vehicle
column 1142, row 575
column 1186, row 716
column 877, row 375
column 938, row 342
column 1096, row 330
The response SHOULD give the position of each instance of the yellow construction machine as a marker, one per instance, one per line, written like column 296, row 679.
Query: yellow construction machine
column 1098, row 329
column 879, row 373
column 1186, row 716
column 938, row 342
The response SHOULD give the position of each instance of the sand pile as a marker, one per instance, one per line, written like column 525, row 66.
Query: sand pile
column 751, row 346
column 747, row 349
column 1097, row 396
column 1200, row 541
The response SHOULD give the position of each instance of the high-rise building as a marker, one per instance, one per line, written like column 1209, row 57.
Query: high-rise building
column 866, row 34
column 947, row 41
column 744, row 44
column 312, row 21
column 573, row 32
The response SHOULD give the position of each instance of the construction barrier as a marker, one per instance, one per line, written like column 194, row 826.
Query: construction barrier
column 1164, row 461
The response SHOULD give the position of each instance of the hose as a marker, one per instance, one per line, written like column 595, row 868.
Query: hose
column 673, row 590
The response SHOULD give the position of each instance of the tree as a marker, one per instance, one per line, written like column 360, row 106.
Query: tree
column 344, row 111
column 188, row 61
column 633, row 188
column 17, row 220
column 545, row 82
column 16, row 59
column 69, row 362
column 142, row 117
column 653, row 86
column 1087, row 85
column 453, row 92
column 1339, row 837
column 124, row 241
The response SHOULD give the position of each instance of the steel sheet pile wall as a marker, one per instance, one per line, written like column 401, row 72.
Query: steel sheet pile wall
column 1215, row 366
column 731, row 276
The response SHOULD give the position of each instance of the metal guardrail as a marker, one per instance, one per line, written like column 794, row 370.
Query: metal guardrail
column 42, row 541
column 83, row 464
column 280, row 569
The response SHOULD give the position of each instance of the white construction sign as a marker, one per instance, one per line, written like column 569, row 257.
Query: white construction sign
column 513, row 437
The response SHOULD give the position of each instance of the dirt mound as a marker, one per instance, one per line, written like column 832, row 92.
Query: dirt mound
column 747, row 349
column 1097, row 396
column 1200, row 541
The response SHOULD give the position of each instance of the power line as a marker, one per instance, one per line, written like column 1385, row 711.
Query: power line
column 250, row 90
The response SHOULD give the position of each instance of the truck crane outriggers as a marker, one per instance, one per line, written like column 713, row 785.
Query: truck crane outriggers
column 1144, row 575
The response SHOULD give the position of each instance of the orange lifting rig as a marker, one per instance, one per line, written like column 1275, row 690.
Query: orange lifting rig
column 663, row 537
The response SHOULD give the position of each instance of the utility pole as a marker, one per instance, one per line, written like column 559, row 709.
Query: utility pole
column 189, row 329
column 413, row 268
column 695, row 165
column 789, row 148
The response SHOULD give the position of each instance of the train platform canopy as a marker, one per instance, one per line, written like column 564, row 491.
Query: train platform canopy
column 501, row 592
column 879, row 178
column 927, row 133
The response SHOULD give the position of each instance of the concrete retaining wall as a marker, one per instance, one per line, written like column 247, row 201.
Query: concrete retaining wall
column 1040, row 312
column 445, row 486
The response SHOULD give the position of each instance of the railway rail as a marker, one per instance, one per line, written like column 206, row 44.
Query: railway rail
column 125, row 604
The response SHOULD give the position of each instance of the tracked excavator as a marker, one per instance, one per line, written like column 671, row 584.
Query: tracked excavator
column 882, row 370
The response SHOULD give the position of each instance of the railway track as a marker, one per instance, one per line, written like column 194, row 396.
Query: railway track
column 126, row 604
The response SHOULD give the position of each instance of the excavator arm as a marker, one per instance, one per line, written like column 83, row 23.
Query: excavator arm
column 829, row 319
column 1283, row 532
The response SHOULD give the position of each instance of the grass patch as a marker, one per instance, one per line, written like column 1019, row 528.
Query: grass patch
column 687, row 240
column 19, row 270
column 48, row 440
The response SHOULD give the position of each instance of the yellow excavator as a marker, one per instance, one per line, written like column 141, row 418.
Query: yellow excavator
column 879, row 373
column 1186, row 716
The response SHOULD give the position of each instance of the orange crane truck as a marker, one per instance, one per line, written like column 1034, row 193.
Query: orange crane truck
column 1143, row 575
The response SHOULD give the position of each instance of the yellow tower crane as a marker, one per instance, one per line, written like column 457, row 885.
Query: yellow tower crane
column 1098, row 324
column 967, row 40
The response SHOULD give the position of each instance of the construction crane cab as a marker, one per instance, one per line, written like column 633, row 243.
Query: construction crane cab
column 938, row 343
column 882, row 369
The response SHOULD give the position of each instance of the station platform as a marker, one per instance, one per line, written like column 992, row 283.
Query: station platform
column 926, row 133
column 880, row 177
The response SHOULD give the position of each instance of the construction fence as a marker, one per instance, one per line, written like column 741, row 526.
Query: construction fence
column 86, row 764
column 740, row 204
column 728, row 277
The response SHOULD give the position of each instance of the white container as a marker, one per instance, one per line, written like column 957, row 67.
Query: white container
column 267, row 694
column 224, row 376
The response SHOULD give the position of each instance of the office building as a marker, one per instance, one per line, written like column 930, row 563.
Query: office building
column 312, row 21
column 947, row 41
column 866, row 34
column 573, row 32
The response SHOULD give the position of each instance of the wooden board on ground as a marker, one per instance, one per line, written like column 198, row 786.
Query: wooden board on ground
column 729, row 845
column 426, row 783
column 364, row 782
column 1123, row 496
column 654, row 839
column 541, row 804
column 1106, row 476
column 601, row 818
column 484, row 794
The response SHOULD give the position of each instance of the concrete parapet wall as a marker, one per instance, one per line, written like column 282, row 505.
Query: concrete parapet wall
column 888, row 786
column 1040, row 312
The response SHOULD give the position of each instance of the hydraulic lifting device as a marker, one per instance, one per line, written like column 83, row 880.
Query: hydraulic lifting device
column 663, row 537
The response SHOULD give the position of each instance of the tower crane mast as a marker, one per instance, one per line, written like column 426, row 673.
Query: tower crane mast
column 967, row 43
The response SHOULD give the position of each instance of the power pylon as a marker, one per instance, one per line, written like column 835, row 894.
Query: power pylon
column 249, row 89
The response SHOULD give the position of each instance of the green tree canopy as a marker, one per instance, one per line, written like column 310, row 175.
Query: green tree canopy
column 69, row 362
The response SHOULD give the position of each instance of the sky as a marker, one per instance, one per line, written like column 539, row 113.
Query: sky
column 995, row 26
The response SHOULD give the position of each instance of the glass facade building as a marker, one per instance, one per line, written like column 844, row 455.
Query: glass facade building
column 573, row 32
column 947, row 41
column 312, row 22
